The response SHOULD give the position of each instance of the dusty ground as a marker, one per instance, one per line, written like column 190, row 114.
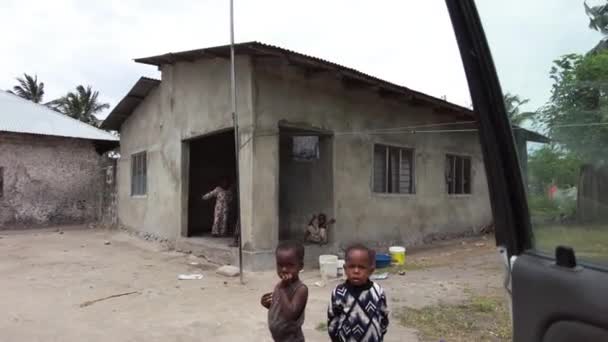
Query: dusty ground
column 46, row 276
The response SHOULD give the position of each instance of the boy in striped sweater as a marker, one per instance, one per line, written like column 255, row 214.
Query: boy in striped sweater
column 358, row 311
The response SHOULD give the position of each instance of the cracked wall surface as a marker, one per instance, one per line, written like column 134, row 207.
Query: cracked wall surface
column 48, row 180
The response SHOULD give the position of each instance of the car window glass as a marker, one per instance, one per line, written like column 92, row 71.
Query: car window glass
column 552, row 61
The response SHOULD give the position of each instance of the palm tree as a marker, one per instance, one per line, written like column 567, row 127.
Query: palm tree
column 512, row 104
column 598, row 18
column 29, row 88
column 81, row 104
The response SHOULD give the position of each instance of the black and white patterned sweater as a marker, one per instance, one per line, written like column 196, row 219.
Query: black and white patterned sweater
column 357, row 313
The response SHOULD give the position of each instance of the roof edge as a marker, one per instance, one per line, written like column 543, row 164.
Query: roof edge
column 138, row 92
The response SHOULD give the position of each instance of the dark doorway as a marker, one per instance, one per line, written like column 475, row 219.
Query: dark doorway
column 212, row 159
column 305, row 181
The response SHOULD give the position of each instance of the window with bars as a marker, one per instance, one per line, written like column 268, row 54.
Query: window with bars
column 139, row 167
column 458, row 174
column 393, row 170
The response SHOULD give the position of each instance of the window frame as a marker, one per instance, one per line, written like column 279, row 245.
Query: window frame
column 135, row 192
column 410, row 149
column 463, row 157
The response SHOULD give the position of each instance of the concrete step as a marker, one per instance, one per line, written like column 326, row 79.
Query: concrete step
column 215, row 250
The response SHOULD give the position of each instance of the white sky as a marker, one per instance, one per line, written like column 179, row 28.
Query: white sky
column 411, row 43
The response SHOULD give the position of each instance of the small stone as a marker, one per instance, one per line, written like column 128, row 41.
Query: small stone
column 228, row 271
column 401, row 273
column 107, row 242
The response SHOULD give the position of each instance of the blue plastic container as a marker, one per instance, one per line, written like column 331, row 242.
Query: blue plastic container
column 383, row 260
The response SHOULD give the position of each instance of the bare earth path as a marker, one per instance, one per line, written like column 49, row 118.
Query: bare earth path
column 49, row 284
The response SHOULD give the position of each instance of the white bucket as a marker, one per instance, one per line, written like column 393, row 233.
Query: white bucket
column 328, row 265
column 340, row 267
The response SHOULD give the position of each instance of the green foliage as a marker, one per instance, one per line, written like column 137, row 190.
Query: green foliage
column 81, row 104
column 542, row 209
column 577, row 114
column 589, row 241
column 552, row 165
column 29, row 88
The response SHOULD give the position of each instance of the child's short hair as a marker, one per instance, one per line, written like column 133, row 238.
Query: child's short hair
column 361, row 247
column 295, row 246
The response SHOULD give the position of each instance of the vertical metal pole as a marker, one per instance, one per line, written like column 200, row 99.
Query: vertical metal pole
column 237, row 142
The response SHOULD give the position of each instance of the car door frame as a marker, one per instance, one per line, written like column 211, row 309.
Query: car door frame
column 505, row 183
column 550, row 302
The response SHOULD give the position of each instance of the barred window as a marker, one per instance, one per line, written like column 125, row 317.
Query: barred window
column 139, row 167
column 458, row 174
column 393, row 170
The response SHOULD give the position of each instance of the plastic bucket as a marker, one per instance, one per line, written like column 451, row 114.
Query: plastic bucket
column 328, row 265
column 397, row 255
column 383, row 260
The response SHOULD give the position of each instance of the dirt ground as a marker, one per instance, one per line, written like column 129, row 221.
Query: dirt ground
column 49, row 278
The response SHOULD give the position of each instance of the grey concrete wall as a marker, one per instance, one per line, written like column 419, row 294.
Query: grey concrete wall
column 192, row 100
column 321, row 100
column 48, row 180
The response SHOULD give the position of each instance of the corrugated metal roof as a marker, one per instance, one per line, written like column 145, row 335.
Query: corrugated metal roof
column 127, row 105
column 310, row 62
column 19, row 115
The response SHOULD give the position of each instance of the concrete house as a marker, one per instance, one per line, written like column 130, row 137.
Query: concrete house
column 50, row 165
column 392, row 165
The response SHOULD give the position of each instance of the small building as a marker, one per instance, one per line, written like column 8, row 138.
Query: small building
column 50, row 165
column 392, row 165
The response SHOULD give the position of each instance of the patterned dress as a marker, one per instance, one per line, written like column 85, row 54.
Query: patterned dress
column 357, row 313
column 223, row 197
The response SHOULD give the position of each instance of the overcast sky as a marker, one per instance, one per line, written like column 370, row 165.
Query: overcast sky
column 411, row 43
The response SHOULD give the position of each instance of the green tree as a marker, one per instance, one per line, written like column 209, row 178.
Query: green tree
column 82, row 104
column 29, row 88
column 512, row 104
column 552, row 165
column 576, row 116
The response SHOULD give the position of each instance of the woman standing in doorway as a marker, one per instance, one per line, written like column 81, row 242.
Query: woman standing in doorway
column 223, row 197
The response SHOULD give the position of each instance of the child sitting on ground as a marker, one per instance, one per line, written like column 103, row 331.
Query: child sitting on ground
column 287, row 303
column 358, row 310
column 316, row 231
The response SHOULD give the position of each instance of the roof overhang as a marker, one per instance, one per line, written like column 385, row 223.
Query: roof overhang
column 127, row 105
column 531, row 136
column 314, row 65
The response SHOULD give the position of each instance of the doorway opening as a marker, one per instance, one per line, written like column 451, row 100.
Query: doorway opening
column 305, row 180
column 211, row 162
